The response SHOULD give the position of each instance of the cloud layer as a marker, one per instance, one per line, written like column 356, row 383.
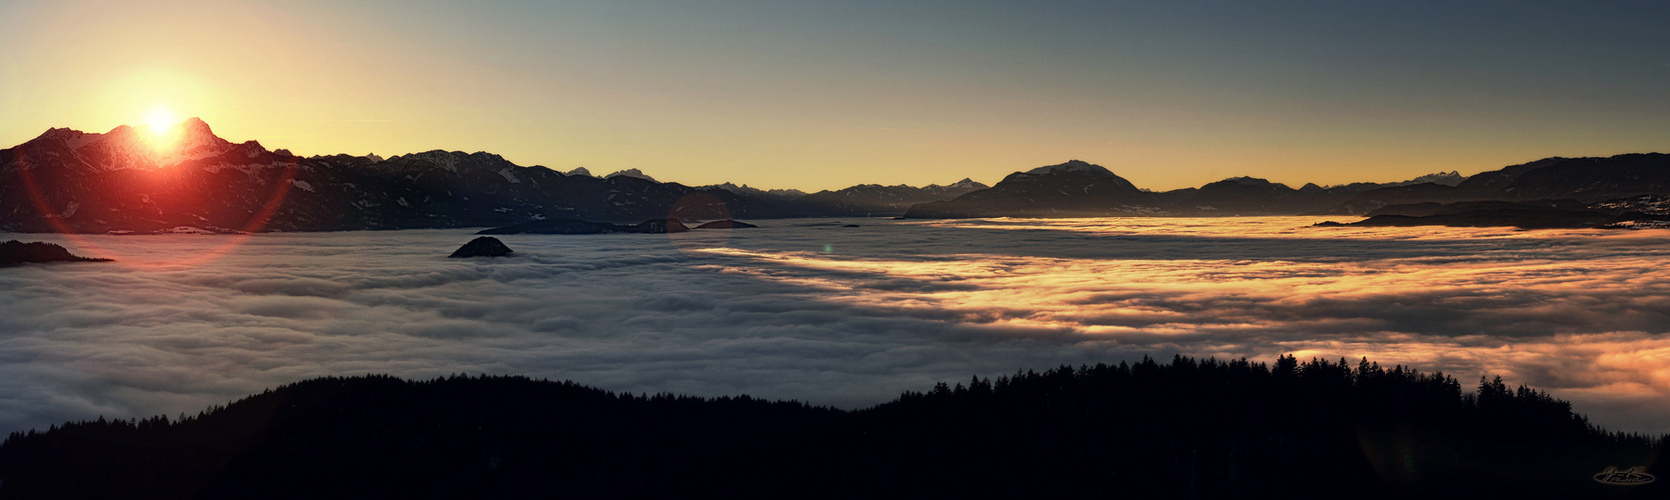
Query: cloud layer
column 833, row 315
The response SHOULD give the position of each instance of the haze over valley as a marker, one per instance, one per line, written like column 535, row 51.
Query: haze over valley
column 808, row 309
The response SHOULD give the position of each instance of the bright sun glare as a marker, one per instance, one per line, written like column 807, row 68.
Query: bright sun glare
column 158, row 123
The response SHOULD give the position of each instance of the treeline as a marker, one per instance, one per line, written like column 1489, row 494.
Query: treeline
column 1184, row 429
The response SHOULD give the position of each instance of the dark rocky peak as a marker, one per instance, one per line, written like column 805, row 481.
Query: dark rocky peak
column 955, row 188
column 628, row 181
column 456, row 162
column 196, row 129
column 1484, row 184
column 346, row 160
column 1450, row 178
column 1311, row 188
column 1072, row 166
column 484, row 246
column 59, row 135
column 1067, row 177
column 1594, row 179
column 1250, row 181
column 631, row 172
column 196, row 139
column 769, row 194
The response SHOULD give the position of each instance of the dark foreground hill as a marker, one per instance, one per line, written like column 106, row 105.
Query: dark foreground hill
column 1187, row 429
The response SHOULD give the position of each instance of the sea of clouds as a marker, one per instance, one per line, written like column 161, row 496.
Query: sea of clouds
column 832, row 315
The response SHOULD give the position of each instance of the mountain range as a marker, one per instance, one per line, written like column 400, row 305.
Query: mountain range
column 1625, row 191
column 128, row 180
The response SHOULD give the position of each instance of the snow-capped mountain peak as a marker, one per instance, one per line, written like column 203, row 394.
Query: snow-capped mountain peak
column 126, row 146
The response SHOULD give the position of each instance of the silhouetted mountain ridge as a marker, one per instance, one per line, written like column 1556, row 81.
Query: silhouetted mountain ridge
column 1185, row 429
column 67, row 181
column 870, row 200
column 1587, row 180
column 187, row 179
column 1079, row 189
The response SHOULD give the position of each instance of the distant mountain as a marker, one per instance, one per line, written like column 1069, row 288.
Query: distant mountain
column 877, row 200
column 778, row 195
column 1071, row 189
column 70, row 181
column 1450, row 178
column 1079, row 189
column 1247, row 195
column 187, row 179
column 631, row 172
column 1589, row 180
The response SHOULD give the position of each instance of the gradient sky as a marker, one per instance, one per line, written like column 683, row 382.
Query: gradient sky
column 816, row 95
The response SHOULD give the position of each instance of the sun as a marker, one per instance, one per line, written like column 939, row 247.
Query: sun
column 159, row 120
column 159, row 124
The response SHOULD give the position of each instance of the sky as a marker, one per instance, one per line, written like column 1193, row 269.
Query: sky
column 810, row 310
column 822, row 95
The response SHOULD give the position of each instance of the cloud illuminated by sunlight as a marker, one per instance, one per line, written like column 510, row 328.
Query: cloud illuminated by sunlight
column 897, row 306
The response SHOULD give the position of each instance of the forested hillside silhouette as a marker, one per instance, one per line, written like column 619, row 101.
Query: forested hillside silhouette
column 1184, row 429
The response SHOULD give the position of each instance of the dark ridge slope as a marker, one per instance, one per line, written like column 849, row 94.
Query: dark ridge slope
column 1588, row 180
column 1185, row 429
